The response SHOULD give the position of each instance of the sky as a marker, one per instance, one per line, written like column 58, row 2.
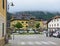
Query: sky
column 35, row 5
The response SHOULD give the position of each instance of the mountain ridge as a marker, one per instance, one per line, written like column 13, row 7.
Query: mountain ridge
column 45, row 15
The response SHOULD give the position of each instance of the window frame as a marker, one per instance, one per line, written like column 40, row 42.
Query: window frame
column 3, row 4
column 2, row 29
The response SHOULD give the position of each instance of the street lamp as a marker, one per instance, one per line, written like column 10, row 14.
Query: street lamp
column 7, row 10
column 10, row 4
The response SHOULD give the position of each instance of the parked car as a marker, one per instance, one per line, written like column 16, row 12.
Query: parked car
column 56, row 34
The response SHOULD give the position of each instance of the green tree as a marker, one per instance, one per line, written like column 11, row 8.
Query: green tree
column 37, row 25
column 18, row 25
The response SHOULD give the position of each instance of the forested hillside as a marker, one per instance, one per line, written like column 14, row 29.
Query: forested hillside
column 39, row 14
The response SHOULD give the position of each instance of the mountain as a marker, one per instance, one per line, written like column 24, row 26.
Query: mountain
column 39, row 14
column 9, row 15
column 8, row 19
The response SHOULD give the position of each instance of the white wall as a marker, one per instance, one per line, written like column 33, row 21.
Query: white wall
column 54, row 22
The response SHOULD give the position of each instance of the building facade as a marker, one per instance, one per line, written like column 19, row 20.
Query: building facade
column 44, row 25
column 54, row 23
column 29, row 24
column 2, row 19
column 23, row 22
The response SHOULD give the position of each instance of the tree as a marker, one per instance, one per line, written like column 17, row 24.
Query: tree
column 18, row 25
column 37, row 25
column 13, row 28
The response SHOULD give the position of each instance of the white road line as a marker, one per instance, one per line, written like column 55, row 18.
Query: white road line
column 38, row 43
column 34, row 43
column 45, row 42
column 30, row 43
column 23, row 43
column 52, row 42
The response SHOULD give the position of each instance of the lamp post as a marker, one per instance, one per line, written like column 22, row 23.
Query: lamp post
column 7, row 8
column 10, row 4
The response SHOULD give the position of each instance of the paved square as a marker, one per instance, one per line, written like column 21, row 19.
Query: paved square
column 33, row 40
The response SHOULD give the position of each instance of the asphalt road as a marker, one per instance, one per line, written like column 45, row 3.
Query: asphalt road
column 33, row 40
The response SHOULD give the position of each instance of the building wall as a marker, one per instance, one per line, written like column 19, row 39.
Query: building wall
column 54, row 24
column 2, row 22
column 23, row 22
column 30, row 23
column 3, row 10
column 2, row 17
column 41, row 24
column 45, row 24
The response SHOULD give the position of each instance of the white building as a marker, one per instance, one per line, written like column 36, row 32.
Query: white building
column 54, row 23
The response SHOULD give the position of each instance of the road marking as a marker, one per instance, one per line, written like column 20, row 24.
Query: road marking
column 33, row 43
column 22, row 43
column 30, row 43
column 38, row 43
column 52, row 42
column 45, row 42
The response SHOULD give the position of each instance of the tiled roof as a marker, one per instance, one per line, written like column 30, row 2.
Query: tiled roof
column 22, row 17
column 53, row 18
column 56, row 17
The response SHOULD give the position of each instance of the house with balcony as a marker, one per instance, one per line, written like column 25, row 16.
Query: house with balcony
column 54, row 23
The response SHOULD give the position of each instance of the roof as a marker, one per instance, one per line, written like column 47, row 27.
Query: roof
column 44, row 22
column 24, row 17
column 55, row 17
column 19, row 19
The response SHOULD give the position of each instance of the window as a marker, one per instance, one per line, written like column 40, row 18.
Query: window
column 57, row 24
column 54, row 19
column 3, row 4
column 26, row 22
column 22, row 22
column 2, row 29
column 31, row 22
column 54, row 24
column 26, row 26
column 57, row 19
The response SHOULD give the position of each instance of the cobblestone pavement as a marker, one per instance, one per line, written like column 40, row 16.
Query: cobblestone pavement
column 33, row 40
